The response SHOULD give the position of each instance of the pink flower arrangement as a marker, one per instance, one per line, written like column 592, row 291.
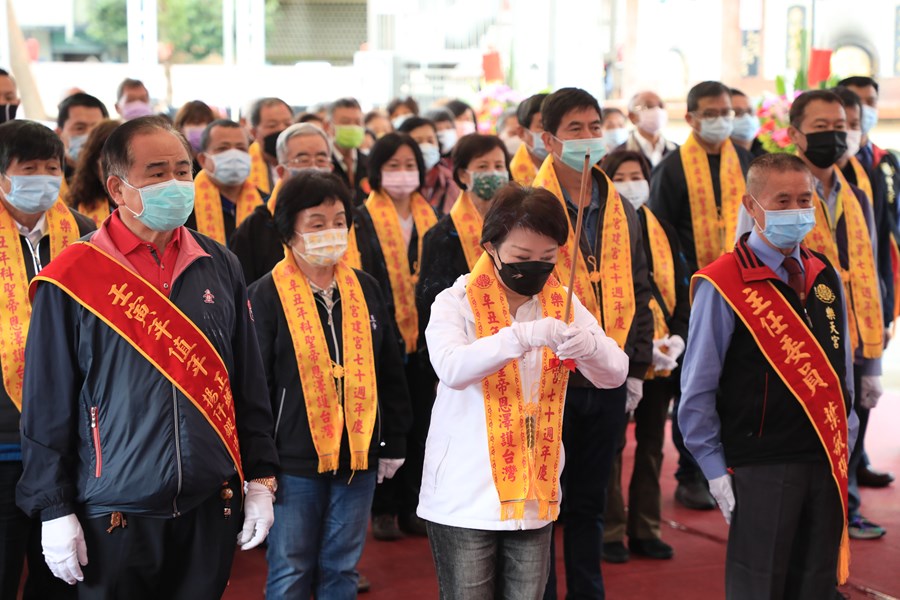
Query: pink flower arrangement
column 774, row 117
column 495, row 98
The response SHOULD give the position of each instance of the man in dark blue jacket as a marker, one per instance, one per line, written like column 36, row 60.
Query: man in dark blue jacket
column 142, row 404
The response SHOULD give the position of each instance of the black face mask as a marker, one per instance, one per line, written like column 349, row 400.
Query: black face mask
column 8, row 112
column 824, row 148
column 270, row 143
column 525, row 278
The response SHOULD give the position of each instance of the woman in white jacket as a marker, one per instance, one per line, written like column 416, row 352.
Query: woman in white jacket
column 501, row 350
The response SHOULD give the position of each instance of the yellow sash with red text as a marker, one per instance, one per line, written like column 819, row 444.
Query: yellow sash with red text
column 335, row 394
column 862, row 178
column 402, row 278
column 524, row 434
column 259, row 169
column 614, row 277
column 15, row 307
column 97, row 212
column 714, row 227
column 468, row 223
column 800, row 362
column 860, row 279
column 663, row 279
column 522, row 167
column 208, row 206
column 154, row 327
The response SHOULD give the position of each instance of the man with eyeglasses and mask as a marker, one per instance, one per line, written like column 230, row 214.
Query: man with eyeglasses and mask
column 268, row 118
column 698, row 190
column 531, row 153
column 766, row 405
column 611, row 280
column 647, row 113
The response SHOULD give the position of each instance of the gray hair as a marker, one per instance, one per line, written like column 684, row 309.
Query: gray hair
column 298, row 129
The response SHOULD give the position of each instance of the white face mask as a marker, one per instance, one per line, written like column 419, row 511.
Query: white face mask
column 652, row 120
column 636, row 192
column 854, row 139
column 322, row 248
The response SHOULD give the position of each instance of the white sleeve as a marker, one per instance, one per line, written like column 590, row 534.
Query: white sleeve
column 608, row 367
column 458, row 361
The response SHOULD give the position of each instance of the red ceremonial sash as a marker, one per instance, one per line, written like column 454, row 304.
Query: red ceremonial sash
column 796, row 356
column 155, row 327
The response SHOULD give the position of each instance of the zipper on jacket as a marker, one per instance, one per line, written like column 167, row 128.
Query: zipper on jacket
column 35, row 256
column 95, row 433
column 175, row 511
column 280, row 410
column 762, row 419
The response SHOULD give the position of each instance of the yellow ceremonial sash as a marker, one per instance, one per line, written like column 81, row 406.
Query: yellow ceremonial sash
column 714, row 227
column 468, row 223
column 402, row 278
column 259, row 169
column 15, row 308
column 98, row 212
column 862, row 178
column 154, row 327
column 614, row 277
column 208, row 206
column 663, row 279
column 522, row 167
column 328, row 386
column 860, row 279
column 352, row 258
column 796, row 356
column 524, row 437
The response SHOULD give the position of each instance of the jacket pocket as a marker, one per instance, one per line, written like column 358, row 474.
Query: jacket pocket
column 765, row 402
column 95, row 434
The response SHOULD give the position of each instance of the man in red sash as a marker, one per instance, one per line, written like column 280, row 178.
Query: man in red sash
column 142, row 413
column 766, row 395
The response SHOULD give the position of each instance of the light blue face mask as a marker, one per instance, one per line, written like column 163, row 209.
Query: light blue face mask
column 615, row 137
column 573, row 151
column 167, row 205
column 717, row 129
column 538, row 149
column 787, row 228
column 868, row 119
column 431, row 155
column 745, row 128
column 33, row 194
column 232, row 167
column 76, row 143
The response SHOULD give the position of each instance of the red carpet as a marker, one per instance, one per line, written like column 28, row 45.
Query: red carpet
column 404, row 569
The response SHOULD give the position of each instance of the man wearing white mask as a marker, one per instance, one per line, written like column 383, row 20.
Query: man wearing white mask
column 223, row 195
column 698, row 191
column 614, row 132
column 146, row 444
column 35, row 226
column 77, row 116
column 529, row 157
column 767, row 394
column 647, row 112
column 746, row 124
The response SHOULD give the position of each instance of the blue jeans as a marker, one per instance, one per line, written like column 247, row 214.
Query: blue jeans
column 318, row 536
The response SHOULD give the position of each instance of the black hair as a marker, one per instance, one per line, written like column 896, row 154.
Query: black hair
column 859, row 81
column 798, row 108
column 528, row 108
column 385, row 148
column 372, row 115
column 413, row 123
column 128, row 83
column 439, row 115
column 308, row 117
column 195, row 111
column 612, row 161
column 736, row 92
column 705, row 89
column 117, row 156
column 307, row 190
column 515, row 206
column 459, row 108
column 561, row 102
column 343, row 103
column 848, row 97
column 24, row 140
column 79, row 99
column 469, row 147
column 256, row 111
column 612, row 111
column 207, row 133
column 409, row 102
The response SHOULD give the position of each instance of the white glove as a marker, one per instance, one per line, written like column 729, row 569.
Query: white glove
column 661, row 359
column 64, row 549
column 635, row 388
column 258, row 516
column 388, row 467
column 537, row 334
column 577, row 343
column 720, row 488
column 871, row 391
column 676, row 346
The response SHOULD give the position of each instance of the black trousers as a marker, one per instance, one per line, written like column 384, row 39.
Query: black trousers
column 21, row 536
column 785, row 533
column 185, row 558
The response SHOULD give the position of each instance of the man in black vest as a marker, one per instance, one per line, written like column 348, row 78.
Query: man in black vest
column 738, row 415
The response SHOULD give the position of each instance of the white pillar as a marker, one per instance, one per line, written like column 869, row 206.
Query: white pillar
column 143, row 36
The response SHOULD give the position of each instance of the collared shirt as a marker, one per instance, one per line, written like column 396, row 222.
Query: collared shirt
column 653, row 152
column 591, row 214
column 866, row 156
column 34, row 237
column 350, row 169
column 156, row 267
column 326, row 293
column 704, row 358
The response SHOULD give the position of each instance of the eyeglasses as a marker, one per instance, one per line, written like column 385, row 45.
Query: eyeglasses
column 741, row 112
column 714, row 114
column 309, row 161
column 643, row 107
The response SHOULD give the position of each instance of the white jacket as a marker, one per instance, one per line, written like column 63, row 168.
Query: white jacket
column 457, row 486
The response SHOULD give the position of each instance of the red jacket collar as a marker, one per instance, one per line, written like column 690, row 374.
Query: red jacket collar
column 753, row 269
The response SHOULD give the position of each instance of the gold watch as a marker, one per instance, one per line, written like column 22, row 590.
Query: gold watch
column 270, row 483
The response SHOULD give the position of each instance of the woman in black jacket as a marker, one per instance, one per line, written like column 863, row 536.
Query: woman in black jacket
column 337, row 388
